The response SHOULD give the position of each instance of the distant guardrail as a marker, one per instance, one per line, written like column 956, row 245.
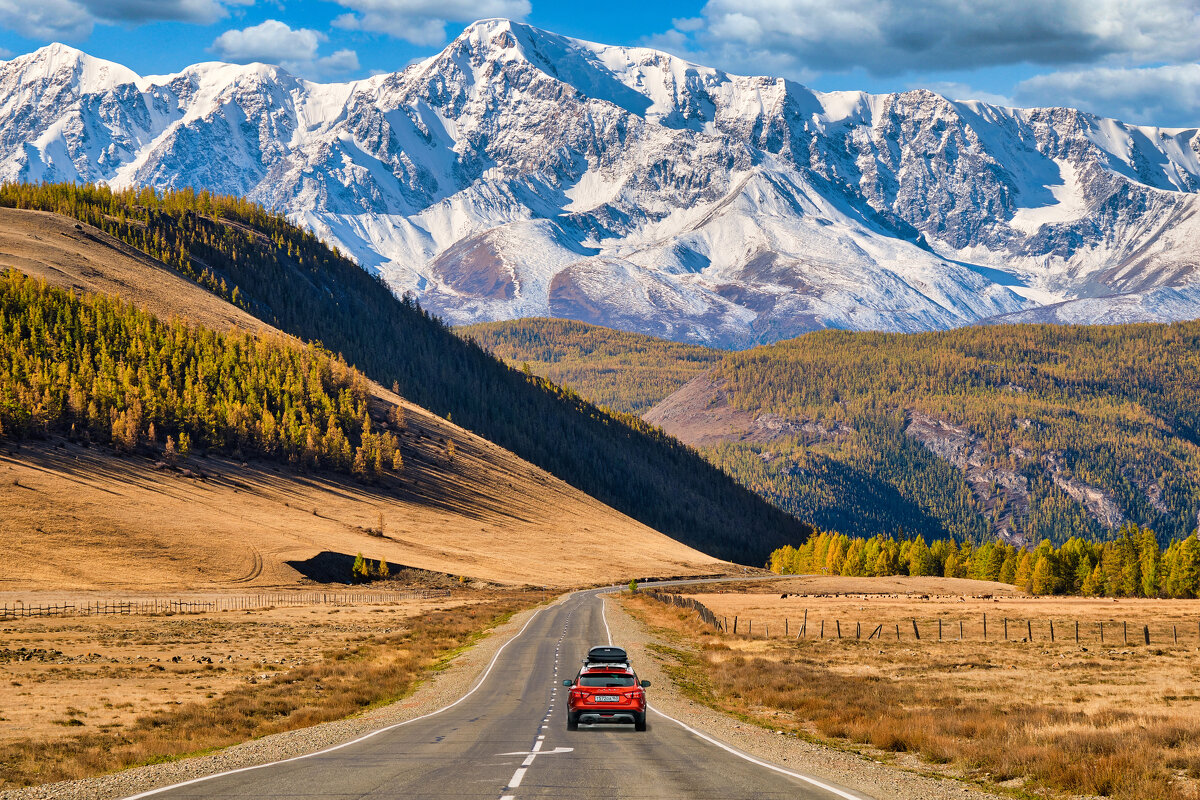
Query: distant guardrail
column 248, row 602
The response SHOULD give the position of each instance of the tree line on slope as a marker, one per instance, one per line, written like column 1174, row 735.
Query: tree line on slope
column 288, row 278
column 99, row 369
column 1132, row 564
column 624, row 371
column 1113, row 407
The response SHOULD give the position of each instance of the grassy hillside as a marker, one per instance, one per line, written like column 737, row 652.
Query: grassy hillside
column 627, row 372
column 80, row 515
column 289, row 279
column 1028, row 432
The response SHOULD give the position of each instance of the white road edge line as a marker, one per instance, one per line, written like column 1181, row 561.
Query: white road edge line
column 474, row 689
column 744, row 756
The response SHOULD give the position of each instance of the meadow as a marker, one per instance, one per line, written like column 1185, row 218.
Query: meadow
column 84, row 696
column 1111, row 719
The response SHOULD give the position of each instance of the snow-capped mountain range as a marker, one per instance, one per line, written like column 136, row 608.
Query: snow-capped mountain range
column 521, row 173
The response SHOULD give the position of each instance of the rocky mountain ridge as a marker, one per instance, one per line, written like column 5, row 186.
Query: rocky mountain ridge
column 522, row 173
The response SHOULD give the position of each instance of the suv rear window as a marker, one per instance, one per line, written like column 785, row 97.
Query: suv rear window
column 605, row 681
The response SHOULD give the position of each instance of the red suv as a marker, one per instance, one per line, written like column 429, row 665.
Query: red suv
column 606, row 690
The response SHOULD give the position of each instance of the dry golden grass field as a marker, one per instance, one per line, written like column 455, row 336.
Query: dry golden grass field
column 86, row 519
column 83, row 696
column 1113, row 719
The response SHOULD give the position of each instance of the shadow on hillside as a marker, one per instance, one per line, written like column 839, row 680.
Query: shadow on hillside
column 325, row 567
column 465, row 489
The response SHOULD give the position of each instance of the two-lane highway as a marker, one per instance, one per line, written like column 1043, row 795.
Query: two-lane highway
column 508, row 739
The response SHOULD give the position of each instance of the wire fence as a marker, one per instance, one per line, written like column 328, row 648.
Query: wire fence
column 1003, row 629
column 247, row 602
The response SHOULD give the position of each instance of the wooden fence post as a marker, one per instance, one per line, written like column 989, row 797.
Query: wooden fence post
column 916, row 630
column 939, row 629
column 1051, row 630
column 897, row 631
column 1101, row 631
column 735, row 623
column 1125, row 630
column 822, row 629
column 858, row 630
column 1175, row 634
column 1028, row 631
column 985, row 627
column 1076, row 631
column 839, row 627
column 1146, row 633
column 785, row 627
column 804, row 624
column 960, row 630
column 1006, row 629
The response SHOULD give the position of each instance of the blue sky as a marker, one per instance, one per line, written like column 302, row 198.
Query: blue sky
column 1138, row 60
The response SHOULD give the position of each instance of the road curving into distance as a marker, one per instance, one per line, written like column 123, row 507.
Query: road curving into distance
column 506, row 739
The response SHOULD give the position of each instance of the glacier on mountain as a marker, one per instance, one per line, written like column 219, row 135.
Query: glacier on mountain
column 521, row 173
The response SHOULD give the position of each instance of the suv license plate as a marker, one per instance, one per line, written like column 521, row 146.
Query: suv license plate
column 607, row 698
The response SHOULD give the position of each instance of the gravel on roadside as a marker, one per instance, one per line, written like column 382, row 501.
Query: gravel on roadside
column 850, row 770
column 440, row 689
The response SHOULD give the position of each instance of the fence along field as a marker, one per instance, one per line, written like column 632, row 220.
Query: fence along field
column 1111, row 632
column 1117, row 719
column 19, row 608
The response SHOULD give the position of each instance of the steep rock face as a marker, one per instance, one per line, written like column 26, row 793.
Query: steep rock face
column 519, row 172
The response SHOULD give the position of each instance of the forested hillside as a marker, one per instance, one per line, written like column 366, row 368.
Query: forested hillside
column 1025, row 431
column 1058, row 431
column 290, row 279
column 100, row 370
column 623, row 371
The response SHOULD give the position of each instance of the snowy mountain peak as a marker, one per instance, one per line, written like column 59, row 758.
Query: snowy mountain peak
column 520, row 172
column 62, row 63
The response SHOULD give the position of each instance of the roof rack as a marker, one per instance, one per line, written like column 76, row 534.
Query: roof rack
column 606, row 664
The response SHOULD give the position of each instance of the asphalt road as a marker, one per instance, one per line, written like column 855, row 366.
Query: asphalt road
column 508, row 739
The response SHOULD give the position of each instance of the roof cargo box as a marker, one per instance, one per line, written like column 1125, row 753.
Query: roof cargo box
column 607, row 655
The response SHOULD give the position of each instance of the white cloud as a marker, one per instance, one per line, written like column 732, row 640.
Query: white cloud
column 271, row 41
column 294, row 49
column 47, row 19
column 74, row 19
column 5, row 54
column 889, row 37
column 341, row 62
column 1165, row 95
column 423, row 22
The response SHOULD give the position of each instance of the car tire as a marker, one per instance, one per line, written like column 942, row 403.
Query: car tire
column 639, row 721
column 572, row 721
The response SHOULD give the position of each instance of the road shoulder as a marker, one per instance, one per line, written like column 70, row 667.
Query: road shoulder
column 856, row 772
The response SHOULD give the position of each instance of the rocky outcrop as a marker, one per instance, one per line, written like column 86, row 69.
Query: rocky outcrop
column 1003, row 490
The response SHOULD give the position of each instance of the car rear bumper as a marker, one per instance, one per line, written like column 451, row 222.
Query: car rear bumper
column 614, row 717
